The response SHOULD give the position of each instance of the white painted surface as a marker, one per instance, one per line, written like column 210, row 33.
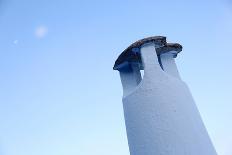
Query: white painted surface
column 130, row 78
column 160, row 114
column 169, row 65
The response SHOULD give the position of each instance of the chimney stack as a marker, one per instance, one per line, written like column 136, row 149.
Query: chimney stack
column 160, row 114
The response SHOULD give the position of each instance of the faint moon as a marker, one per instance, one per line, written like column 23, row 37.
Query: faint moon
column 41, row 32
column 16, row 42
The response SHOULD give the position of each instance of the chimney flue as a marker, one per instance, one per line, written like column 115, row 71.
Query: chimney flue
column 160, row 114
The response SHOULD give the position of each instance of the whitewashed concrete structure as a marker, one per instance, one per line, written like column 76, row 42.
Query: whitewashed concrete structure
column 160, row 114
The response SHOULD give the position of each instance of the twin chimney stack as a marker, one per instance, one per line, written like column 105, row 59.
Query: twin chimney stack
column 160, row 114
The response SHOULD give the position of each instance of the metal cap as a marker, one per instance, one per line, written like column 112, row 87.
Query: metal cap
column 132, row 53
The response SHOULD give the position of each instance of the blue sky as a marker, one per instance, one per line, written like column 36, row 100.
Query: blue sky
column 58, row 92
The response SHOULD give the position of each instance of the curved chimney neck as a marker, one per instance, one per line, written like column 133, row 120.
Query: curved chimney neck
column 130, row 78
column 169, row 65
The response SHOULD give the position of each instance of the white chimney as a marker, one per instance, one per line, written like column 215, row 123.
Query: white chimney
column 160, row 114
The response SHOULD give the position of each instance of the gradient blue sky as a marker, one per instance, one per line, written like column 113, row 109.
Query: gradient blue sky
column 58, row 92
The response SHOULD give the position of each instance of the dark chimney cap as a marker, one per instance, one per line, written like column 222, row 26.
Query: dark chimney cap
column 132, row 53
